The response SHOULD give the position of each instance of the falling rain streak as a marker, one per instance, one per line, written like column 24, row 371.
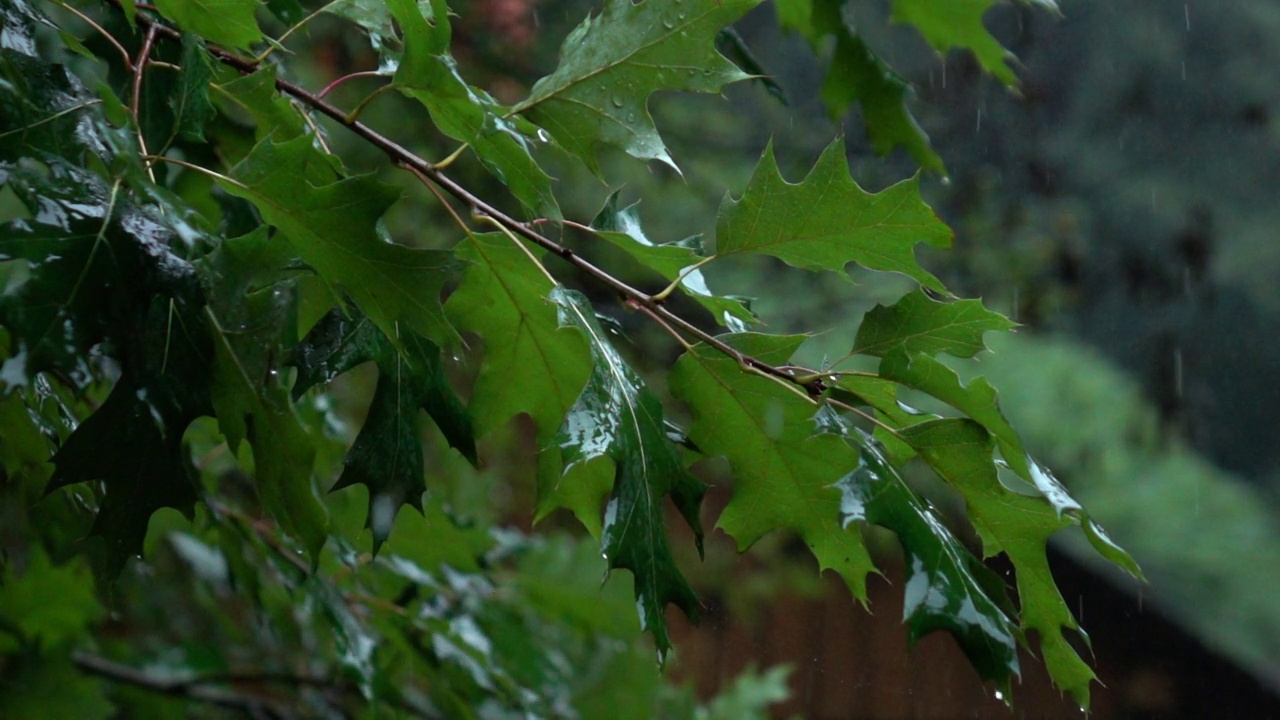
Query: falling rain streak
column 1177, row 372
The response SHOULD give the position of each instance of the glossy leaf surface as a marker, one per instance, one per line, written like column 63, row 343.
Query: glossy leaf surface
column 946, row 588
column 429, row 74
column 332, row 224
column 611, row 64
column 784, row 473
column 387, row 456
column 617, row 419
column 621, row 226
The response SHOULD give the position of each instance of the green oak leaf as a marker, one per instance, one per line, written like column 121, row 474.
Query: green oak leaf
column 103, row 274
column 617, row 420
column 670, row 260
column 960, row 451
column 858, row 74
column 250, row 311
column 826, row 221
column 980, row 402
column 429, row 74
column 881, row 396
column 255, row 94
column 47, row 604
column 334, row 227
column 947, row 588
column 225, row 22
column 504, row 299
column 38, row 683
column 946, row 24
column 918, row 323
column 190, row 98
column 783, row 472
column 387, row 454
column 611, row 64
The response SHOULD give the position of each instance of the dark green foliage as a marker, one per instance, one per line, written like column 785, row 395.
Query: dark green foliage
column 189, row 300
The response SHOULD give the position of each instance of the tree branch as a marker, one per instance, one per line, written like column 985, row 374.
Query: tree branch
column 400, row 155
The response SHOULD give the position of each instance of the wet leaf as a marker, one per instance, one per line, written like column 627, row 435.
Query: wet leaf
column 611, row 64
column 249, row 314
column 225, row 22
column 621, row 226
column 387, row 456
column 960, row 451
column 946, row 588
column 103, row 273
column 190, row 101
column 917, row 323
column 783, row 472
column 946, row 24
column 858, row 74
column 826, row 221
column 429, row 74
column 618, row 421
column 256, row 95
column 333, row 226
column 504, row 298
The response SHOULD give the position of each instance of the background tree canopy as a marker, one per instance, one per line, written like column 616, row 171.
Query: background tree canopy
column 274, row 272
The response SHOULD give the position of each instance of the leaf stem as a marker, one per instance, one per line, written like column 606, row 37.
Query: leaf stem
column 452, row 157
column 354, row 115
column 482, row 218
column 194, row 168
column 128, row 61
column 686, row 272
column 351, row 76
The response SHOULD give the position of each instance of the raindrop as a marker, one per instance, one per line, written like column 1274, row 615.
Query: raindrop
column 1186, row 13
column 979, row 128
column 617, row 101
column 668, row 23
column 544, row 136
column 1139, row 600
column 1184, row 69
column 946, row 180
column 999, row 695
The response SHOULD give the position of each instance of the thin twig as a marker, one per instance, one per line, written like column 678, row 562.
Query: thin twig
column 135, row 103
column 193, row 688
column 408, row 159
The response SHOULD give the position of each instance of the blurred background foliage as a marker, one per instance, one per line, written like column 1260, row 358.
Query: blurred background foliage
column 1121, row 206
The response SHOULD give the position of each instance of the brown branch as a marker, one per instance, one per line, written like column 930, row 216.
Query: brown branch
column 401, row 156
